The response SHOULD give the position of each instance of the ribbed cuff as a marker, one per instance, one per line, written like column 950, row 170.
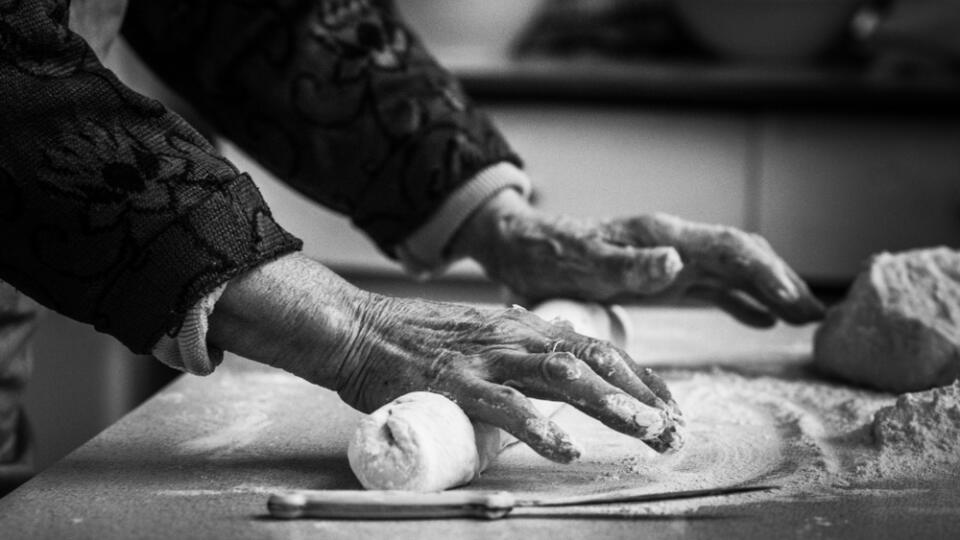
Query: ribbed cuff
column 424, row 253
column 188, row 350
column 226, row 234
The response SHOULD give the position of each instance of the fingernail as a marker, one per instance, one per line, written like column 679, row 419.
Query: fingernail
column 662, row 405
column 676, row 413
column 669, row 442
column 566, row 450
column 554, row 443
column 788, row 292
column 669, row 263
column 569, row 451
column 649, row 421
column 560, row 366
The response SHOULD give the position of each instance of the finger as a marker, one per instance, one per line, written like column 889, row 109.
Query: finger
column 770, row 280
column 560, row 376
column 633, row 270
column 510, row 411
column 807, row 307
column 656, row 384
column 610, row 364
column 616, row 367
column 740, row 259
column 737, row 303
column 798, row 306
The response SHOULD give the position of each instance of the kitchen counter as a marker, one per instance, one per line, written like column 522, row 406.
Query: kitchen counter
column 199, row 459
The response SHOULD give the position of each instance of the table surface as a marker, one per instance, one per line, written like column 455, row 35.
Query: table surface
column 200, row 458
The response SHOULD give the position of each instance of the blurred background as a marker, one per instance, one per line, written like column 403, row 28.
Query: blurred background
column 829, row 126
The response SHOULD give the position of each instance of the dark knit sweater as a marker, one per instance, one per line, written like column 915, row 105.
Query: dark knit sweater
column 115, row 212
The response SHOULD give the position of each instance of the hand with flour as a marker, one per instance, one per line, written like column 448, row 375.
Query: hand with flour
column 295, row 314
column 539, row 256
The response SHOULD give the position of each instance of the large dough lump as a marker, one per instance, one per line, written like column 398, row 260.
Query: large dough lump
column 421, row 442
column 899, row 327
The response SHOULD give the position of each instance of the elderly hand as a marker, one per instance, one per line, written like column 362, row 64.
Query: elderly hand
column 295, row 314
column 654, row 256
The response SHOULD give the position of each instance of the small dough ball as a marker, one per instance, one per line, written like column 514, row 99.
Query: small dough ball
column 421, row 441
column 898, row 330
column 607, row 322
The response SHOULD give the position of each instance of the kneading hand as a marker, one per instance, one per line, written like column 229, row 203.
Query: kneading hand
column 295, row 314
column 657, row 256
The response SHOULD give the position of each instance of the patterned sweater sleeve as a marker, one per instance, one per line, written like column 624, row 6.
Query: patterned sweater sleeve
column 113, row 210
column 336, row 97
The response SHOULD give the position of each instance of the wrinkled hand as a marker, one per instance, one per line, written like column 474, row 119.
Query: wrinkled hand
column 657, row 256
column 490, row 361
column 296, row 315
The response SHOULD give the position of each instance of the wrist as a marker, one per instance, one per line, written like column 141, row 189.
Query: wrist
column 291, row 313
column 485, row 229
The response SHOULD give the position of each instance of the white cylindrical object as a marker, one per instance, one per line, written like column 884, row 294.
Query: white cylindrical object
column 421, row 442
column 607, row 322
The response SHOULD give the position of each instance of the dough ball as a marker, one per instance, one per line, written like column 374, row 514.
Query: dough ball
column 899, row 327
column 421, row 442
column 609, row 323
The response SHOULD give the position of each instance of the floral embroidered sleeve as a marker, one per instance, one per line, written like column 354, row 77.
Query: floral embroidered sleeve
column 337, row 97
column 113, row 210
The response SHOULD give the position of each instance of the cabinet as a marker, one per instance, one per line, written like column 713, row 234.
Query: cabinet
column 834, row 189
column 599, row 161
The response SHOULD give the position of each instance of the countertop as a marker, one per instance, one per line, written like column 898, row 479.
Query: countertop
column 199, row 459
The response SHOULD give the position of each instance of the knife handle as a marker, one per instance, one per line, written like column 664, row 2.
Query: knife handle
column 362, row 504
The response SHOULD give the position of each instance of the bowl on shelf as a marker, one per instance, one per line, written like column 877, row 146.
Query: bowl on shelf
column 471, row 30
column 767, row 30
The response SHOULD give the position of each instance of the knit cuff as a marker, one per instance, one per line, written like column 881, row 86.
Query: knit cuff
column 424, row 253
column 188, row 350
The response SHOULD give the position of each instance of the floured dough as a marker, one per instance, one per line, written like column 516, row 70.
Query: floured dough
column 421, row 442
column 899, row 327
column 923, row 422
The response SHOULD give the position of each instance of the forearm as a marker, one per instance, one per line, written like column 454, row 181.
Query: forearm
column 113, row 210
column 479, row 234
column 338, row 99
column 455, row 229
column 291, row 313
column 18, row 319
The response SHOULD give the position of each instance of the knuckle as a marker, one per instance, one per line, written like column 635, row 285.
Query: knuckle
column 760, row 241
column 508, row 394
column 604, row 358
column 561, row 324
column 731, row 236
column 561, row 366
column 450, row 369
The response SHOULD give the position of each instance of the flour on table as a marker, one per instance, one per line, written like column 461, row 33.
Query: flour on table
column 811, row 438
column 919, row 435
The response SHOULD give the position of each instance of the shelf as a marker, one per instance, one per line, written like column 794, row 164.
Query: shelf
column 702, row 83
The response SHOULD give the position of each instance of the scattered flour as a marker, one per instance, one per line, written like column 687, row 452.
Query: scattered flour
column 826, row 435
column 919, row 435
column 811, row 438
